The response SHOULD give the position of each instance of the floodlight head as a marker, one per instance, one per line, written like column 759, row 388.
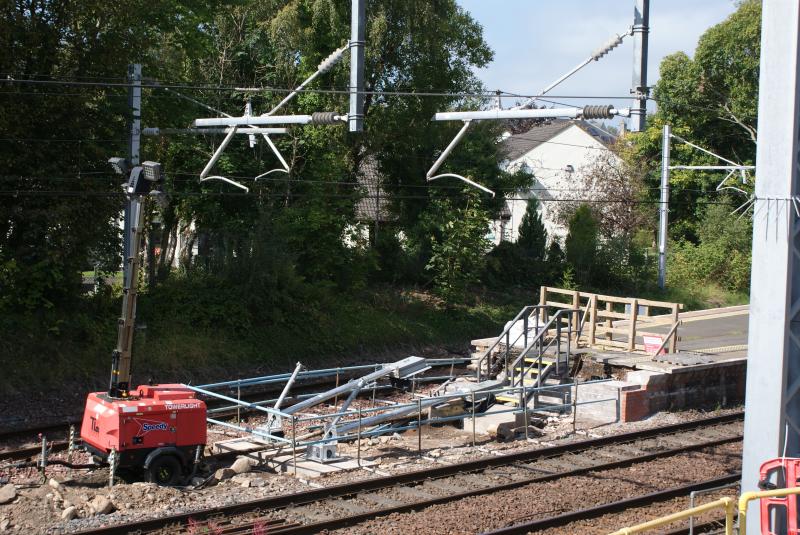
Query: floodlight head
column 120, row 165
column 152, row 171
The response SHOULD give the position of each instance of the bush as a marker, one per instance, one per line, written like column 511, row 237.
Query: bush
column 581, row 243
column 722, row 257
column 459, row 250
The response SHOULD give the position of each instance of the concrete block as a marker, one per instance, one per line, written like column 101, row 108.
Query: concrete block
column 308, row 469
column 488, row 423
column 647, row 378
column 599, row 403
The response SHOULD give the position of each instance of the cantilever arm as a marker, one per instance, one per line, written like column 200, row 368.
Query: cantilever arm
column 278, row 170
column 464, row 179
column 228, row 180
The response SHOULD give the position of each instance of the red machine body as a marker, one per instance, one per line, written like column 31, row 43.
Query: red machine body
column 153, row 417
column 779, row 515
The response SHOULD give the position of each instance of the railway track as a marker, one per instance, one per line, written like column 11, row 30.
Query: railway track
column 346, row 505
column 615, row 507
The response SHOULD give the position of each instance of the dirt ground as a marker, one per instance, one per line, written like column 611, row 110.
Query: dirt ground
column 41, row 507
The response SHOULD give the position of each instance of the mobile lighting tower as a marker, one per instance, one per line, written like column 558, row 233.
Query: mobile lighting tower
column 158, row 431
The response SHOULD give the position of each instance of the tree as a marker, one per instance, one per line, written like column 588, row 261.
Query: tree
column 412, row 46
column 459, row 246
column 532, row 238
column 722, row 256
column 581, row 243
column 716, row 93
column 57, row 140
column 710, row 100
column 617, row 179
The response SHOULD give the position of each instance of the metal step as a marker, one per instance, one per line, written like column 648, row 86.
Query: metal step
column 506, row 400
column 545, row 360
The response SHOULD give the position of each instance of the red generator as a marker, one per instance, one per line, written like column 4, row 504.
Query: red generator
column 158, row 430
column 779, row 515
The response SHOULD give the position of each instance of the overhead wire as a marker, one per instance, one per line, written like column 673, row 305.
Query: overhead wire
column 306, row 181
column 121, row 194
column 154, row 84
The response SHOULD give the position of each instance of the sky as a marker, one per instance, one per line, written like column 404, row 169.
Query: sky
column 537, row 41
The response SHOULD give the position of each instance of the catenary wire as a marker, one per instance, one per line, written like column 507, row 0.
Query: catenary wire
column 308, row 181
column 151, row 84
column 111, row 194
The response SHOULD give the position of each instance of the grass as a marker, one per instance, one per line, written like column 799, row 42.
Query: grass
column 195, row 335
column 43, row 354
column 701, row 296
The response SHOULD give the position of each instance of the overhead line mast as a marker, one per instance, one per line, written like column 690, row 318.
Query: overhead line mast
column 639, row 89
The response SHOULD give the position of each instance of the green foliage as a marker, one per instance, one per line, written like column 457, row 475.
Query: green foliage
column 532, row 239
column 623, row 266
column 273, row 262
column 459, row 247
column 581, row 243
column 523, row 262
column 722, row 256
column 196, row 332
column 710, row 100
column 568, row 279
column 716, row 93
column 58, row 139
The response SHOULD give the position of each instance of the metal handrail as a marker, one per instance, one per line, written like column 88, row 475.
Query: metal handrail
column 537, row 341
column 507, row 335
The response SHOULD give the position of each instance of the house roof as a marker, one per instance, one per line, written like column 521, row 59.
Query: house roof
column 518, row 145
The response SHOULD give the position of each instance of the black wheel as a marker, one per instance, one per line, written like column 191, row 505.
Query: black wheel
column 164, row 470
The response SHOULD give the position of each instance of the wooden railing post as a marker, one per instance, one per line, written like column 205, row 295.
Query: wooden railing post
column 575, row 318
column 632, row 326
column 609, row 322
column 593, row 319
column 673, row 344
column 543, row 302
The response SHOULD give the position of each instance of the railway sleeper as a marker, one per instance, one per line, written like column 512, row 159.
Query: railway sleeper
column 351, row 505
column 415, row 493
column 380, row 499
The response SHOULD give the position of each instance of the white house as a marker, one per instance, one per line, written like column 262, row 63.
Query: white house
column 557, row 153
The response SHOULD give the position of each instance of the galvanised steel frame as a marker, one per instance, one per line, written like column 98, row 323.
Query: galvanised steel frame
column 772, row 413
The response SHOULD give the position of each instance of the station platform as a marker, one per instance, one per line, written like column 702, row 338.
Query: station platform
column 708, row 370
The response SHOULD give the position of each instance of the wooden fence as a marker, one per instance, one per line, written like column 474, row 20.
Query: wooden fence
column 617, row 322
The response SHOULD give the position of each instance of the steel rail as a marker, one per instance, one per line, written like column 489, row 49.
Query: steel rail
column 350, row 489
column 613, row 507
column 712, row 525
column 362, row 517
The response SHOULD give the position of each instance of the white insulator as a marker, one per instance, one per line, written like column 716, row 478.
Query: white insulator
column 606, row 48
column 330, row 61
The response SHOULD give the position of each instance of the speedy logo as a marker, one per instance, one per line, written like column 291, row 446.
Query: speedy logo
column 145, row 426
